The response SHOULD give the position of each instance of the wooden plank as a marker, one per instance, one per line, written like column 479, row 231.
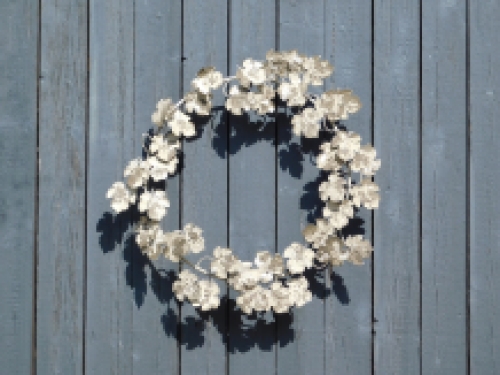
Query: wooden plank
column 204, row 181
column 397, row 221
column 444, row 188
column 61, row 242
column 484, row 181
column 251, row 187
column 113, row 143
column 348, row 314
column 157, row 67
column 301, row 27
column 18, row 170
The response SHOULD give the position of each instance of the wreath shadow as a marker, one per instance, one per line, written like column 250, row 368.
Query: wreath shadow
column 262, row 330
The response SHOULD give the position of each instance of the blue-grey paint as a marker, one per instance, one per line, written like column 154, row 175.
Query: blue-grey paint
column 18, row 195
column 80, row 78
column 62, row 183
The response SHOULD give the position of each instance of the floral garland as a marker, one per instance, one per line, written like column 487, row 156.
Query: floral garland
column 271, row 281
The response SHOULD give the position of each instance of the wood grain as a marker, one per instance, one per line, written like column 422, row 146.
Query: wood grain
column 397, row 231
column 484, row 104
column 348, row 342
column 18, row 170
column 205, row 181
column 251, row 187
column 444, row 188
column 303, row 334
column 112, row 291
column 61, row 243
column 157, row 64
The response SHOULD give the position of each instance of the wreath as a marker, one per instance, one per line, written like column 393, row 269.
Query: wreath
column 271, row 281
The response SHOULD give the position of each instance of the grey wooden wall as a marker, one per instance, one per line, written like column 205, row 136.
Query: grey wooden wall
column 78, row 82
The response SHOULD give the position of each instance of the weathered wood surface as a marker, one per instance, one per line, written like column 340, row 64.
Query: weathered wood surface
column 444, row 188
column 205, row 181
column 484, row 218
column 63, row 97
column 78, row 82
column 397, row 223
column 18, row 171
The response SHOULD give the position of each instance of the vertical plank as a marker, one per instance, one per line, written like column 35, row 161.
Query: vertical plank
column 301, row 27
column 112, row 143
column 157, row 66
column 397, row 221
column 444, row 188
column 204, row 181
column 18, row 126
column 251, row 186
column 348, row 310
column 61, row 242
column 484, row 182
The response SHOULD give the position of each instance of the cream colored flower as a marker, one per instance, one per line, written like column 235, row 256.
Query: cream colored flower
column 365, row 161
column 359, row 249
column 299, row 258
column 148, row 237
column 207, row 295
column 137, row 173
column 280, row 298
column 181, row 125
column 316, row 70
column 177, row 245
column 294, row 91
column 154, row 203
column 262, row 100
column 207, row 79
column 276, row 66
column 267, row 262
column 258, row 299
column 332, row 252
column 237, row 101
column 318, row 234
column 365, row 194
column 164, row 147
column 338, row 213
column 295, row 61
column 160, row 170
column 333, row 189
column 351, row 104
column 338, row 104
column 347, row 144
column 194, row 238
column 198, row 102
column 245, row 277
column 327, row 160
column 307, row 123
column 223, row 261
column 252, row 72
column 121, row 197
column 164, row 112
column 186, row 286
column 299, row 293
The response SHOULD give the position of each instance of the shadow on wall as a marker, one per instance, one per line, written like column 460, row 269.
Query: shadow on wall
column 262, row 330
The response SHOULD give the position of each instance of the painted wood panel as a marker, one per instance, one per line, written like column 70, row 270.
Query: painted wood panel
column 348, row 342
column 18, row 170
column 77, row 295
column 444, row 188
column 397, row 225
column 484, row 106
column 205, row 181
column 157, row 64
column 113, row 142
column 62, row 184
column 251, row 342
column 301, row 27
